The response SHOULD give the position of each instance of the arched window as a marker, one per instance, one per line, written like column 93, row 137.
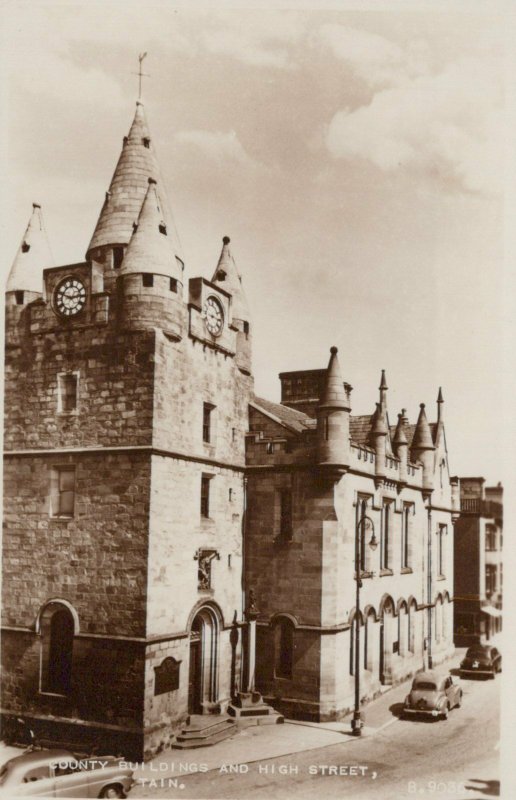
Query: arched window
column 57, row 632
column 283, row 648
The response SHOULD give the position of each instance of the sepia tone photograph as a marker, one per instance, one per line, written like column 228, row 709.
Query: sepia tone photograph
column 257, row 400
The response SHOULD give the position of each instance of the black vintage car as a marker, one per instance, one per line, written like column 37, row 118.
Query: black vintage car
column 482, row 660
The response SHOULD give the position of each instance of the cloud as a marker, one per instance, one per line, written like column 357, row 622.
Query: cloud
column 237, row 44
column 450, row 125
column 217, row 146
column 373, row 58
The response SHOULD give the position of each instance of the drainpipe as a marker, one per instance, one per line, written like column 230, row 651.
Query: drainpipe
column 429, row 582
column 243, row 577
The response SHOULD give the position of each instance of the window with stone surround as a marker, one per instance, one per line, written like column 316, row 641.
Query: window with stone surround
column 386, row 535
column 205, row 495
column 283, row 514
column 62, row 491
column 406, row 530
column 67, row 392
column 362, row 510
column 441, row 533
column 207, row 422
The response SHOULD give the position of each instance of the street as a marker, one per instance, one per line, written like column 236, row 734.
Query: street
column 457, row 758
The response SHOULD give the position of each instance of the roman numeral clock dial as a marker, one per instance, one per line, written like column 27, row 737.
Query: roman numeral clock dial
column 70, row 297
column 213, row 316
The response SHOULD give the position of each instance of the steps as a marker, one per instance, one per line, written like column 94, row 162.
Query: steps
column 203, row 731
column 250, row 709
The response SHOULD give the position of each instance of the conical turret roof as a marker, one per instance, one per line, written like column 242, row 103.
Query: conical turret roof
column 334, row 395
column 129, row 184
column 151, row 249
column 422, row 435
column 399, row 434
column 227, row 275
column 33, row 256
column 378, row 422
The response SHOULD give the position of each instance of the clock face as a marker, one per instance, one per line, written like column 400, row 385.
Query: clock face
column 70, row 297
column 214, row 316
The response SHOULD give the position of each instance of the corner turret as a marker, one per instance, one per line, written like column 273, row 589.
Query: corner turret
column 150, row 281
column 422, row 449
column 25, row 281
column 333, row 447
column 228, row 277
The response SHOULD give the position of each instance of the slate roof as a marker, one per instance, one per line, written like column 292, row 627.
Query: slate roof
column 296, row 420
column 33, row 256
column 128, row 188
column 227, row 275
column 151, row 248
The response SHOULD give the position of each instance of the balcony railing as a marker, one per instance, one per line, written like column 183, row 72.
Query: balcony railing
column 488, row 508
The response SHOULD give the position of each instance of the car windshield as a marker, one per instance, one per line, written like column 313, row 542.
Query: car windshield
column 422, row 685
column 474, row 652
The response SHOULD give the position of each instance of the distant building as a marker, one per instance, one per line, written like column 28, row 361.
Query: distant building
column 478, row 562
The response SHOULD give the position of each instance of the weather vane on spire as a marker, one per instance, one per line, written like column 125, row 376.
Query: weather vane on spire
column 141, row 75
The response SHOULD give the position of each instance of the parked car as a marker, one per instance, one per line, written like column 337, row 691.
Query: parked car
column 481, row 659
column 58, row 773
column 432, row 696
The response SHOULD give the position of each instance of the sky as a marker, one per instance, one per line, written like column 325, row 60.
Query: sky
column 356, row 156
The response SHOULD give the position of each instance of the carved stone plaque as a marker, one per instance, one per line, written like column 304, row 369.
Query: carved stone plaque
column 167, row 676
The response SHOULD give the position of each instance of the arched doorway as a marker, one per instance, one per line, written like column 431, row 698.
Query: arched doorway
column 203, row 668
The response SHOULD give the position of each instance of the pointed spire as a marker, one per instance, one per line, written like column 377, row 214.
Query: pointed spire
column 128, row 188
column 399, row 435
column 151, row 249
column 33, row 256
column 383, row 390
column 227, row 275
column 422, row 435
column 440, row 402
column 334, row 395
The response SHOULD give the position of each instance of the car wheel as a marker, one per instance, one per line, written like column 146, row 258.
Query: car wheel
column 113, row 790
column 446, row 711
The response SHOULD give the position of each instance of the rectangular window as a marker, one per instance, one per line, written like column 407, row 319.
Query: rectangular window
column 62, row 491
column 443, row 530
column 173, row 285
column 362, row 529
column 207, row 422
column 286, row 513
column 490, row 538
column 386, row 533
column 405, row 534
column 205, row 496
column 147, row 279
column 67, row 385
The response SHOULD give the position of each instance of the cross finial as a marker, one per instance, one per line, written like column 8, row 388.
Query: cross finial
column 141, row 74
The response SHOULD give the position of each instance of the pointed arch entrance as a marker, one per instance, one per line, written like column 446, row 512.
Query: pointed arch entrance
column 204, row 660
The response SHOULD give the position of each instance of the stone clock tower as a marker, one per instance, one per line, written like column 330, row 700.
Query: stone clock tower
column 126, row 409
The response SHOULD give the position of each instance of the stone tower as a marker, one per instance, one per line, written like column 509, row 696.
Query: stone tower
column 126, row 410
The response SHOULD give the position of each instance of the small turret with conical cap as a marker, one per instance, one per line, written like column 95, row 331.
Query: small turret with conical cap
column 228, row 277
column 150, row 279
column 25, row 281
column 422, row 448
column 333, row 418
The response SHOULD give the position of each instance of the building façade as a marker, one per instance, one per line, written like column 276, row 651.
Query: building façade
column 147, row 490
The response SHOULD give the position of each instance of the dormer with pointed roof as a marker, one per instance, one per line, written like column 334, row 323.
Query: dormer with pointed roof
column 25, row 281
column 150, row 278
column 333, row 418
column 228, row 277
column 124, row 200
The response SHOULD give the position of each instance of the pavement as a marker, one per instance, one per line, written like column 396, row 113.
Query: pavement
column 264, row 742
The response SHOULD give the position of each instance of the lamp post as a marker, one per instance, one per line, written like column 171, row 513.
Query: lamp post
column 366, row 523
